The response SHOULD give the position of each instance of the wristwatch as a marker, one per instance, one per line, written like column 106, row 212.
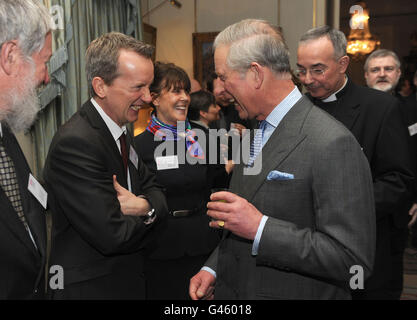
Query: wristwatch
column 149, row 217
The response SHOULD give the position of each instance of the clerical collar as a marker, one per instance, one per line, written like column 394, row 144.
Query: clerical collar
column 1, row 131
column 333, row 96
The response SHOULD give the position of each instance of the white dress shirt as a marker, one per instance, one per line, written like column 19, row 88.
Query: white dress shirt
column 272, row 122
column 115, row 131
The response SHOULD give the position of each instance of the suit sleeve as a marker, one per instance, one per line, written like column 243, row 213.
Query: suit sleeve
column 343, row 207
column 391, row 166
column 83, row 191
column 153, row 191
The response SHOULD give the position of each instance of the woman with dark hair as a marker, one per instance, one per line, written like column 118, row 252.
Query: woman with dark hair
column 183, row 243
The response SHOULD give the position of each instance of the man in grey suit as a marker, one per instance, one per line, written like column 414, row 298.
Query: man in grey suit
column 302, row 228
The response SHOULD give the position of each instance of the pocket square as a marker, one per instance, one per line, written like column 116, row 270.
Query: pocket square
column 278, row 175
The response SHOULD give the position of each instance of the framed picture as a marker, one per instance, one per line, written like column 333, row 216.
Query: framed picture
column 203, row 55
column 149, row 36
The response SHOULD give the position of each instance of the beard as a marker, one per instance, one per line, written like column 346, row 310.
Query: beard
column 22, row 104
column 384, row 85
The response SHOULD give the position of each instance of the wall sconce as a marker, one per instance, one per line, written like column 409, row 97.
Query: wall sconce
column 360, row 41
column 175, row 3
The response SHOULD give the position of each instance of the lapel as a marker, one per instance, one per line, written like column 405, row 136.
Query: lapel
column 34, row 213
column 107, row 141
column 134, row 173
column 282, row 142
column 348, row 109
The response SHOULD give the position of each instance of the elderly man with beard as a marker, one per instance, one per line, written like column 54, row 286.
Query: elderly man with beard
column 26, row 46
column 374, row 118
column 382, row 72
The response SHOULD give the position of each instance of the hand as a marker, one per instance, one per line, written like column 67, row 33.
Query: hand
column 202, row 286
column 413, row 214
column 129, row 203
column 237, row 126
column 239, row 216
column 229, row 166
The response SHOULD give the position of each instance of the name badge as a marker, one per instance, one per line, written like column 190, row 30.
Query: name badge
column 133, row 156
column 412, row 129
column 37, row 190
column 166, row 163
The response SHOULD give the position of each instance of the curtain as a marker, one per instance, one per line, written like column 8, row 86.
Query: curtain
column 78, row 23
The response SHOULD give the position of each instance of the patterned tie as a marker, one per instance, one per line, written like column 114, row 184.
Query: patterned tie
column 8, row 182
column 256, row 144
column 123, row 150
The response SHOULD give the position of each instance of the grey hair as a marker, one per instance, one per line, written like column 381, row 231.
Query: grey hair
column 27, row 21
column 102, row 56
column 336, row 37
column 380, row 54
column 253, row 40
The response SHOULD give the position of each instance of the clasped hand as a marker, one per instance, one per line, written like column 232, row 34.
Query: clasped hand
column 129, row 203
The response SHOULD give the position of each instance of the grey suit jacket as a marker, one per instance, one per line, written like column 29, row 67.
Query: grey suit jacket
column 321, row 223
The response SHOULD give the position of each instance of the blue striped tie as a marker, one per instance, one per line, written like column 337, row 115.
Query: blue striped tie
column 256, row 144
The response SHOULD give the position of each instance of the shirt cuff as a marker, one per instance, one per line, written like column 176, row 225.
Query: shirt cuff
column 209, row 270
column 257, row 239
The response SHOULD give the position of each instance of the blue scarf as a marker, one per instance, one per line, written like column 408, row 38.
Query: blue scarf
column 169, row 132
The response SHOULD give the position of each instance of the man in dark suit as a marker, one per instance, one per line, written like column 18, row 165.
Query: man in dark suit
column 104, row 200
column 296, row 228
column 374, row 119
column 383, row 72
column 25, row 48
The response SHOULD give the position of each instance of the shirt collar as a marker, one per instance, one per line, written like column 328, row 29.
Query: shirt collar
column 114, row 128
column 333, row 96
column 279, row 112
column 1, row 131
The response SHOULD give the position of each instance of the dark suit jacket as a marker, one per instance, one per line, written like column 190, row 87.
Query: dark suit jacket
column 408, row 108
column 91, row 238
column 374, row 118
column 321, row 223
column 22, row 267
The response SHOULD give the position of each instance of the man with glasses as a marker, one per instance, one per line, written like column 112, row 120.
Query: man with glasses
column 374, row 119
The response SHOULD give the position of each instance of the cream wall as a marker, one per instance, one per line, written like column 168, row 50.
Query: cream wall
column 175, row 26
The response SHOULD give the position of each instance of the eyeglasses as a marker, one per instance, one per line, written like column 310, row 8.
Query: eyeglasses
column 314, row 72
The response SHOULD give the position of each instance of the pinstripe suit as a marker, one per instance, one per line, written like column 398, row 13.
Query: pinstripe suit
column 320, row 223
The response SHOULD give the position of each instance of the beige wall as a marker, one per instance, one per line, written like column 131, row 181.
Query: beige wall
column 175, row 26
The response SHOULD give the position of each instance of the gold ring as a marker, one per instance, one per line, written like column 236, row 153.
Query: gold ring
column 220, row 223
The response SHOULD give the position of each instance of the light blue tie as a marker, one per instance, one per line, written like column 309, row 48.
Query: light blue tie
column 256, row 144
